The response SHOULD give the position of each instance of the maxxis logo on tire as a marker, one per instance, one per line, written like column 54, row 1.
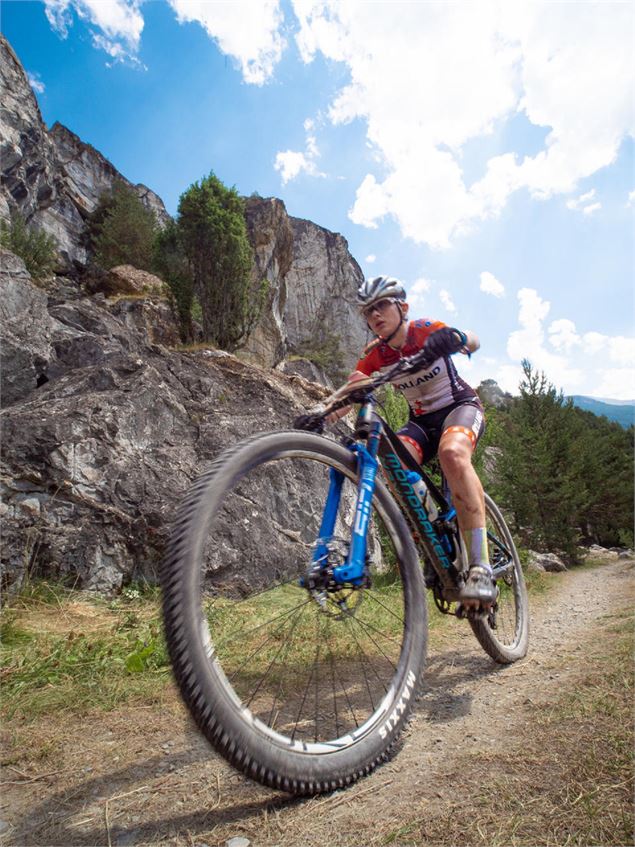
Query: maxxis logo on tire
column 401, row 707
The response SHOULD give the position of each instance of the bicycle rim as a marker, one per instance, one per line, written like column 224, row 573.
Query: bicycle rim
column 504, row 632
column 297, row 671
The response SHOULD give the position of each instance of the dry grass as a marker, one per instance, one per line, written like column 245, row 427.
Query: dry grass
column 576, row 789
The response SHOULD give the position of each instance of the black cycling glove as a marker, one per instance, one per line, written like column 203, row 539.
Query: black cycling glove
column 444, row 342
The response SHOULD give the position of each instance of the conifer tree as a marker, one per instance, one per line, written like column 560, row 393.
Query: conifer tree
column 539, row 470
column 214, row 236
column 170, row 263
column 122, row 230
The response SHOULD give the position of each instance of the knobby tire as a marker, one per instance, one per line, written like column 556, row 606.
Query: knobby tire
column 369, row 647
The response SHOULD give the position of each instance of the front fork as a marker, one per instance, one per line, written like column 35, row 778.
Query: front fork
column 352, row 570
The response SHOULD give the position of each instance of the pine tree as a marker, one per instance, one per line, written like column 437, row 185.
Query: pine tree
column 122, row 230
column 171, row 265
column 214, row 236
column 539, row 470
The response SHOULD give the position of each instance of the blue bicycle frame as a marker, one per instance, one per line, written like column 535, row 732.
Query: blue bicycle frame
column 383, row 446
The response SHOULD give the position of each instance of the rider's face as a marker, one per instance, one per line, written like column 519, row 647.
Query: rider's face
column 383, row 317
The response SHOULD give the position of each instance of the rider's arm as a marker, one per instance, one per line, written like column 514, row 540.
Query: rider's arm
column 335, row 416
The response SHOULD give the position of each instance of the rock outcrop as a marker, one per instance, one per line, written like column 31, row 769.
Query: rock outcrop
column 52, row 178
column 55, row 181
column 104, row 422
column 103, row 429
column 312, row 282
column 492, row 394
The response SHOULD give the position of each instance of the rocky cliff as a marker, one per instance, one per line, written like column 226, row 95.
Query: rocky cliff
column 51, row 177
column 105, row 421
column 313, row 280
column 104, row 427
column 55, row 181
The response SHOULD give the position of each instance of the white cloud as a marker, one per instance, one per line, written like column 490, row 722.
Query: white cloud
column 491, row 285
column 370, row 259
column 615, row 384
column 446, row 299
column 35, row 82
column 119, row 23
column 576, row 365
column 416, row 295
column 631, row 198
column 582, row 204
column 247, row 31
column 528, row 342
column 456, row 72
column 563, row 335
column 291, row 163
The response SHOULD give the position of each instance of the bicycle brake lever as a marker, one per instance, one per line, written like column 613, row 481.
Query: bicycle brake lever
column 310, row 423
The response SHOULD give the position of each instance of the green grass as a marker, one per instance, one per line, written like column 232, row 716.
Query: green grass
column 64, row 651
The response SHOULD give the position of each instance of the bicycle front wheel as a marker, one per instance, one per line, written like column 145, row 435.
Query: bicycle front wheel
column 302, row 684
column 504, row 633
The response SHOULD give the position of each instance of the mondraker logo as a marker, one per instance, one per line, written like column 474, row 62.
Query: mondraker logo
column 399, row 477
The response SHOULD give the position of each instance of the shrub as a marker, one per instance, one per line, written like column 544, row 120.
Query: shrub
column 36, row 248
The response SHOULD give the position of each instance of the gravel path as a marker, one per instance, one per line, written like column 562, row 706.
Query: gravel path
column 135, row 777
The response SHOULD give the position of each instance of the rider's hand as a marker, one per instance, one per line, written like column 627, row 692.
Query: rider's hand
column 444, row 342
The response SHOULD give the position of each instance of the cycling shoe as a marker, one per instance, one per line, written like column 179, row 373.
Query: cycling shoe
column 479, row 590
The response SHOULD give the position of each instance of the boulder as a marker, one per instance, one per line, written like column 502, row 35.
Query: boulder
column 126, row 279
column 306, row 369
column 97, row 453
column 596, row 551
column 542, row 562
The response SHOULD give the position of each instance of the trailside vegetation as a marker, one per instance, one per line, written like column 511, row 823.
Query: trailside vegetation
column 121, row 230
column 36, row 248
column 563, row 475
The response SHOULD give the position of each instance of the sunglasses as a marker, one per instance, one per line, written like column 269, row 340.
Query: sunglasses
column 379, row 306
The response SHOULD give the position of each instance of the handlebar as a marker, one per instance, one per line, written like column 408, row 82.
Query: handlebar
column 359, row 391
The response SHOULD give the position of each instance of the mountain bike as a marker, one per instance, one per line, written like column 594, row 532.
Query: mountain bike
column 294, row 601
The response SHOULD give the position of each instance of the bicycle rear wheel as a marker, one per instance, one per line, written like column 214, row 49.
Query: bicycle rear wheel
column 504, row 633
column 302, row 685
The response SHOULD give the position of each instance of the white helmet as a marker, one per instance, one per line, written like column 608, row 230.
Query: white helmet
column 379, row 288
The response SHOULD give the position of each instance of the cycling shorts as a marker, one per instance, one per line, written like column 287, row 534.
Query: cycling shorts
column 424, row 432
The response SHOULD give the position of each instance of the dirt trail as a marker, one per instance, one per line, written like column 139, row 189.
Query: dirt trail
column 136, row 777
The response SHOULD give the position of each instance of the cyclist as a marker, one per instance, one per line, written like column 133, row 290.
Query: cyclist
column 446, row 416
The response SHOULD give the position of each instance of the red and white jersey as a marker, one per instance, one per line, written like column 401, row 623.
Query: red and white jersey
column 428, row 389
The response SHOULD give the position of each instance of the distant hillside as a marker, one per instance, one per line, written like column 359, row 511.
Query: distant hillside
column 620, row 411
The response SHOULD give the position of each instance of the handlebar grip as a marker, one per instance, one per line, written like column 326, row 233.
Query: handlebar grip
column 310, row 423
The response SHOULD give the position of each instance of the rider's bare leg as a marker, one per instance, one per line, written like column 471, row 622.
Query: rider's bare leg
column 455, row 456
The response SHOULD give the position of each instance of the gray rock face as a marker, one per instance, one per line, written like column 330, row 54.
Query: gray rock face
column 95, row 458
column 55, row 181
column 50, row 177
column 313, row 281
column 47, row 333
column 321, row 291
column 492, row 394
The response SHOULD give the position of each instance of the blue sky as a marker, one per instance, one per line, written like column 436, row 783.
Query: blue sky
column 481, row 152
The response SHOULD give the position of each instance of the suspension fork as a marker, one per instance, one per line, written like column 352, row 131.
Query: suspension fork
column 352, row 571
